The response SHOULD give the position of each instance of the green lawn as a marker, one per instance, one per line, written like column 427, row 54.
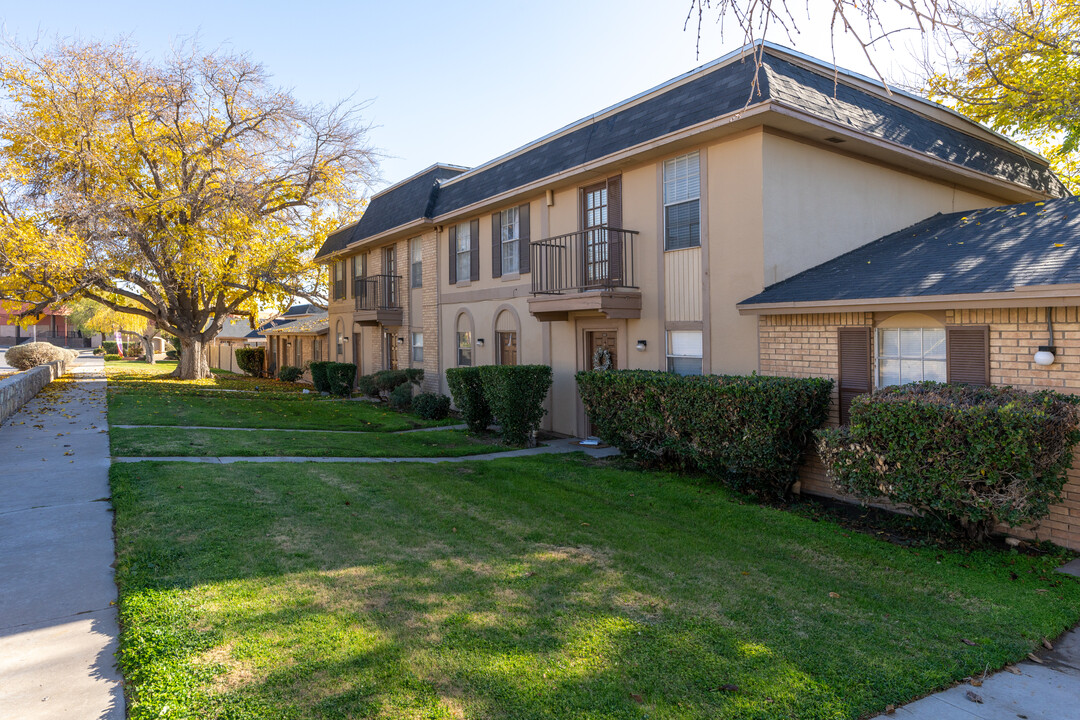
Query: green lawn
column 140, row 376
column 235, row 410
column 149, row 442
column 543, row 587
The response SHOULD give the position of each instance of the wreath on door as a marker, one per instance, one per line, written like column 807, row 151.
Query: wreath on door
column 601, row 359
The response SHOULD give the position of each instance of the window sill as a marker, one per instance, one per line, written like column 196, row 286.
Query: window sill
column 462, row 283
column 511, row 277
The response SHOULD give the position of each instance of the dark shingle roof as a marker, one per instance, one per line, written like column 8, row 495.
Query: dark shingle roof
column 410, row 200
column 982, row 251
column 712, row 92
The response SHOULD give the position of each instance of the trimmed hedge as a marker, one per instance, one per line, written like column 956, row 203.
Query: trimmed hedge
column 113, row 357
column 515, row 394
column 290, row 373
column 172, row 355
column 340, row 377
column 431, row 406
column 468, row 393
column 415, row 375
column 401, row 397
column 388, row 380
column 318, row 375
column 367, row 386
column 110, row 347
column 974, row 457
column 751, row 430
column 251, row 360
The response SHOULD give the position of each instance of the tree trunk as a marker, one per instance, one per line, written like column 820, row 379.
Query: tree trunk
column 148, row 347
column 193, row 363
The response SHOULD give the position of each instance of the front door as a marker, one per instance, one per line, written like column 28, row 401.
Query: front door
column 357, row 345
column 390, row 351
column 599, row 340
column 595, row 242
column 507, row 348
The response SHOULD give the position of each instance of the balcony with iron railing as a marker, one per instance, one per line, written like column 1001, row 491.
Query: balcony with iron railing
column 378, row 300
column 588, row 270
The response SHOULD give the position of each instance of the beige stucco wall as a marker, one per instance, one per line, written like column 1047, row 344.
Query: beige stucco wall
column 819, row 203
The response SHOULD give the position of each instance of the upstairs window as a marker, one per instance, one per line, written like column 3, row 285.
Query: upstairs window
column 510, row 236
column 682, row 202
column 338, row 271
column 464, row 251
column 418, row 347
column 416, row 263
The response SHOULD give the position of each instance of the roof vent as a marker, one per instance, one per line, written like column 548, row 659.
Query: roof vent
column 834, row 140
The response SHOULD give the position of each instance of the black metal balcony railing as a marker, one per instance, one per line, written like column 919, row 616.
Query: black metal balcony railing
column 597, row 259
column 378, row 292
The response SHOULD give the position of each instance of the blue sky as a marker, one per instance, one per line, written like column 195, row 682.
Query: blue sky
column 448, row 82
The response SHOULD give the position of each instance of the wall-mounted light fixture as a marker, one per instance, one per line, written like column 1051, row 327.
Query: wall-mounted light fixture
column 641, row 345
column 345, row 338
column 479, row 342
column 1045, row 354
column 400, row 340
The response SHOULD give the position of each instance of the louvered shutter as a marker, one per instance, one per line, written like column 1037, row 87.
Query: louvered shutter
column 968, row 354
column 524, row 242
column 474, row 250
column 496, row 245
column 855, row 373
column 452, row 234
column 616, row 241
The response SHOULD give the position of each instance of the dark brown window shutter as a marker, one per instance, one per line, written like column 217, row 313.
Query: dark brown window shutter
column 616, row 241
column 496, row 245
column 853, row 344
column 524, row 241
column 474, row 250
column 967, row 351
column 452, row 234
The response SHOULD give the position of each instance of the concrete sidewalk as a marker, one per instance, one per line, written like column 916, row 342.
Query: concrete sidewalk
column 552, row 447
column 58, row 627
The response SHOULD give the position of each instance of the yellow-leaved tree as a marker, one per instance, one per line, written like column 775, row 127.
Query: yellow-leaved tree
column 178, row 191
column 93, row 317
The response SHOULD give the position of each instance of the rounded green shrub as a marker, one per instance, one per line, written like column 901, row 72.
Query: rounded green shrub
column 467, row 390
column 32, row 354
column 401, row 397
column 319, row 377
column 415, row 375
column 387, row 380
column 290, row 373
column 366, row 386
column 251, row 360
column 431, row 406
column 113, row 357
column 975, row 457
column 749, row 430
column 515, row 394
column 340, row 378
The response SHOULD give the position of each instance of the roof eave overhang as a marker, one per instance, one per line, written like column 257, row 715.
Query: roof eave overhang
column 1020, row 296
column 376, row 239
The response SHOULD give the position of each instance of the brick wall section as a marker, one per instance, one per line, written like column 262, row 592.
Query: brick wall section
column 17, row 390
column 805, row 346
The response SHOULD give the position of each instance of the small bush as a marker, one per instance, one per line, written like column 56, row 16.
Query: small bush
column 32, row 354
column 431, row 406
column 415, row 375
column 110, row 347
column 367, row 386
column 251, row 360
column 290, row 373
column 750, row 430
column 401, row 397
column 340, row 377
column 99, row 351
column 113, row 357
column 468, row 393
column 975, row 457
column 515, row 394
column 172, row 355
column 387, row 380
column 318, row 375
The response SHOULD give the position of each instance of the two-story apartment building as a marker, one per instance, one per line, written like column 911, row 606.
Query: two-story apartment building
column 630, row 237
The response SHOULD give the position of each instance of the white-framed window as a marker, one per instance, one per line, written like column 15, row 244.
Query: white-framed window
column 511, row 233
column 682, row 202
column 340, row 335
column 464, row 251
column 910, row 354
column 684, row 352
column 464, row 348
column 339, row 280
column 416, row 263
column 418, row 347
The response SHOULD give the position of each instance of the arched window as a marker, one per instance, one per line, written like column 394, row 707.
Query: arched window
column 506, row 338
column 340, row 339
column 464, row 340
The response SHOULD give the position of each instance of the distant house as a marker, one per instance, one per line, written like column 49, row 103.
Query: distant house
column 53, row 327
column 237, row 333
column 298, row 342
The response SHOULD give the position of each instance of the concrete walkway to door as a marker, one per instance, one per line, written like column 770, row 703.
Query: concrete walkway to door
column 58, row 627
